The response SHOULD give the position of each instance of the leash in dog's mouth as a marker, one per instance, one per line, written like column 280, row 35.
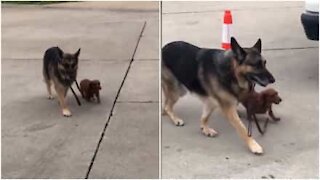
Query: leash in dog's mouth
column 75, row 95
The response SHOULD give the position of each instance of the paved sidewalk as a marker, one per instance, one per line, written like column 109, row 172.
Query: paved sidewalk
column 291, row 146
column 37, row 142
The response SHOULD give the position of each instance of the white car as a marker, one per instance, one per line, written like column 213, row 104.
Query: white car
column 310, row 19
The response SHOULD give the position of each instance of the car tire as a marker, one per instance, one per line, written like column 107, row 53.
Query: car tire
column 311, row 25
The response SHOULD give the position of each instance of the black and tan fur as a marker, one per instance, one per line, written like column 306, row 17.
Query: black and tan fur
column 60, row 69
column 217, row 77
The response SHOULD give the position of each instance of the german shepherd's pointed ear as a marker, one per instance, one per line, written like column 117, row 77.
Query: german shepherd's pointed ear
column 60, row 52
column 77, row 53
column 258, row 45
column 239, row 53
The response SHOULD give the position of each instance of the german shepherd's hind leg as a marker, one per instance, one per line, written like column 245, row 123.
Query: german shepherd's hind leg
column 230, row 112
column 165, row 100
column 171, row 97
column 48, row 84
column 208, row 108
column 172, row 91
column 61, row 91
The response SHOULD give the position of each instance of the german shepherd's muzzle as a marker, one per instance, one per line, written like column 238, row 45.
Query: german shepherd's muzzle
column 260, row 73
column 263, row 77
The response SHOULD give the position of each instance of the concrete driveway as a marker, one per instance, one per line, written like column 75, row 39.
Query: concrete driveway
column 291, row 146
column 119, row 46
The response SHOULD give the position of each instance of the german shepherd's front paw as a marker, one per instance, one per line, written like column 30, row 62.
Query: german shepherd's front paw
column 66, row 113
column 178, row 122
column 50, row 97
column 208, row 131
column 255, row 147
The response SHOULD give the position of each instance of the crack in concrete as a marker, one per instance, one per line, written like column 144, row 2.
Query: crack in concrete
column 114, row 103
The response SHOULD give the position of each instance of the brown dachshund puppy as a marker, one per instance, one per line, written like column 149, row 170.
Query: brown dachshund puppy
column 260, row 103
column 89, row 89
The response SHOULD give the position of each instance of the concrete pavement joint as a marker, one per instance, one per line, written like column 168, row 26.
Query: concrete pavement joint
column 292, row 48
column 137, row 101
column 84, row 60
column 101, row 9
column 146, row 59
column 221, row 10
column 124, row 60
column 79, row 8
column 114, row 103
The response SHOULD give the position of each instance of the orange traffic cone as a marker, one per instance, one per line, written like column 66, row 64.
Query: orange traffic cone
column 226, row 30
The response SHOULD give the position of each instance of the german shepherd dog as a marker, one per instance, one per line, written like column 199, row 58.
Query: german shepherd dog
column 217, row 77
column 60, row 69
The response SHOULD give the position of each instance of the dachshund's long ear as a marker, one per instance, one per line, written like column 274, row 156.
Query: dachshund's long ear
column 267, row 96
column 91, row 84
column 96, row 82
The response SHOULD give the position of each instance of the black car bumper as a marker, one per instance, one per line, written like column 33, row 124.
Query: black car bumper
column 310, row 22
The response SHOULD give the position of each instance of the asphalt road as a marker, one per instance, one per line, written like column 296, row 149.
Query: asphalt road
column 291, row 145
column 119, row 46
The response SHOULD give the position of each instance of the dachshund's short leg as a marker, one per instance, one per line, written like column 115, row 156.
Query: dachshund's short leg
column 272, row 115
column 265, row 125
column 257, row 124
column 83, row 94
column 87, row 96
column 98, row 97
